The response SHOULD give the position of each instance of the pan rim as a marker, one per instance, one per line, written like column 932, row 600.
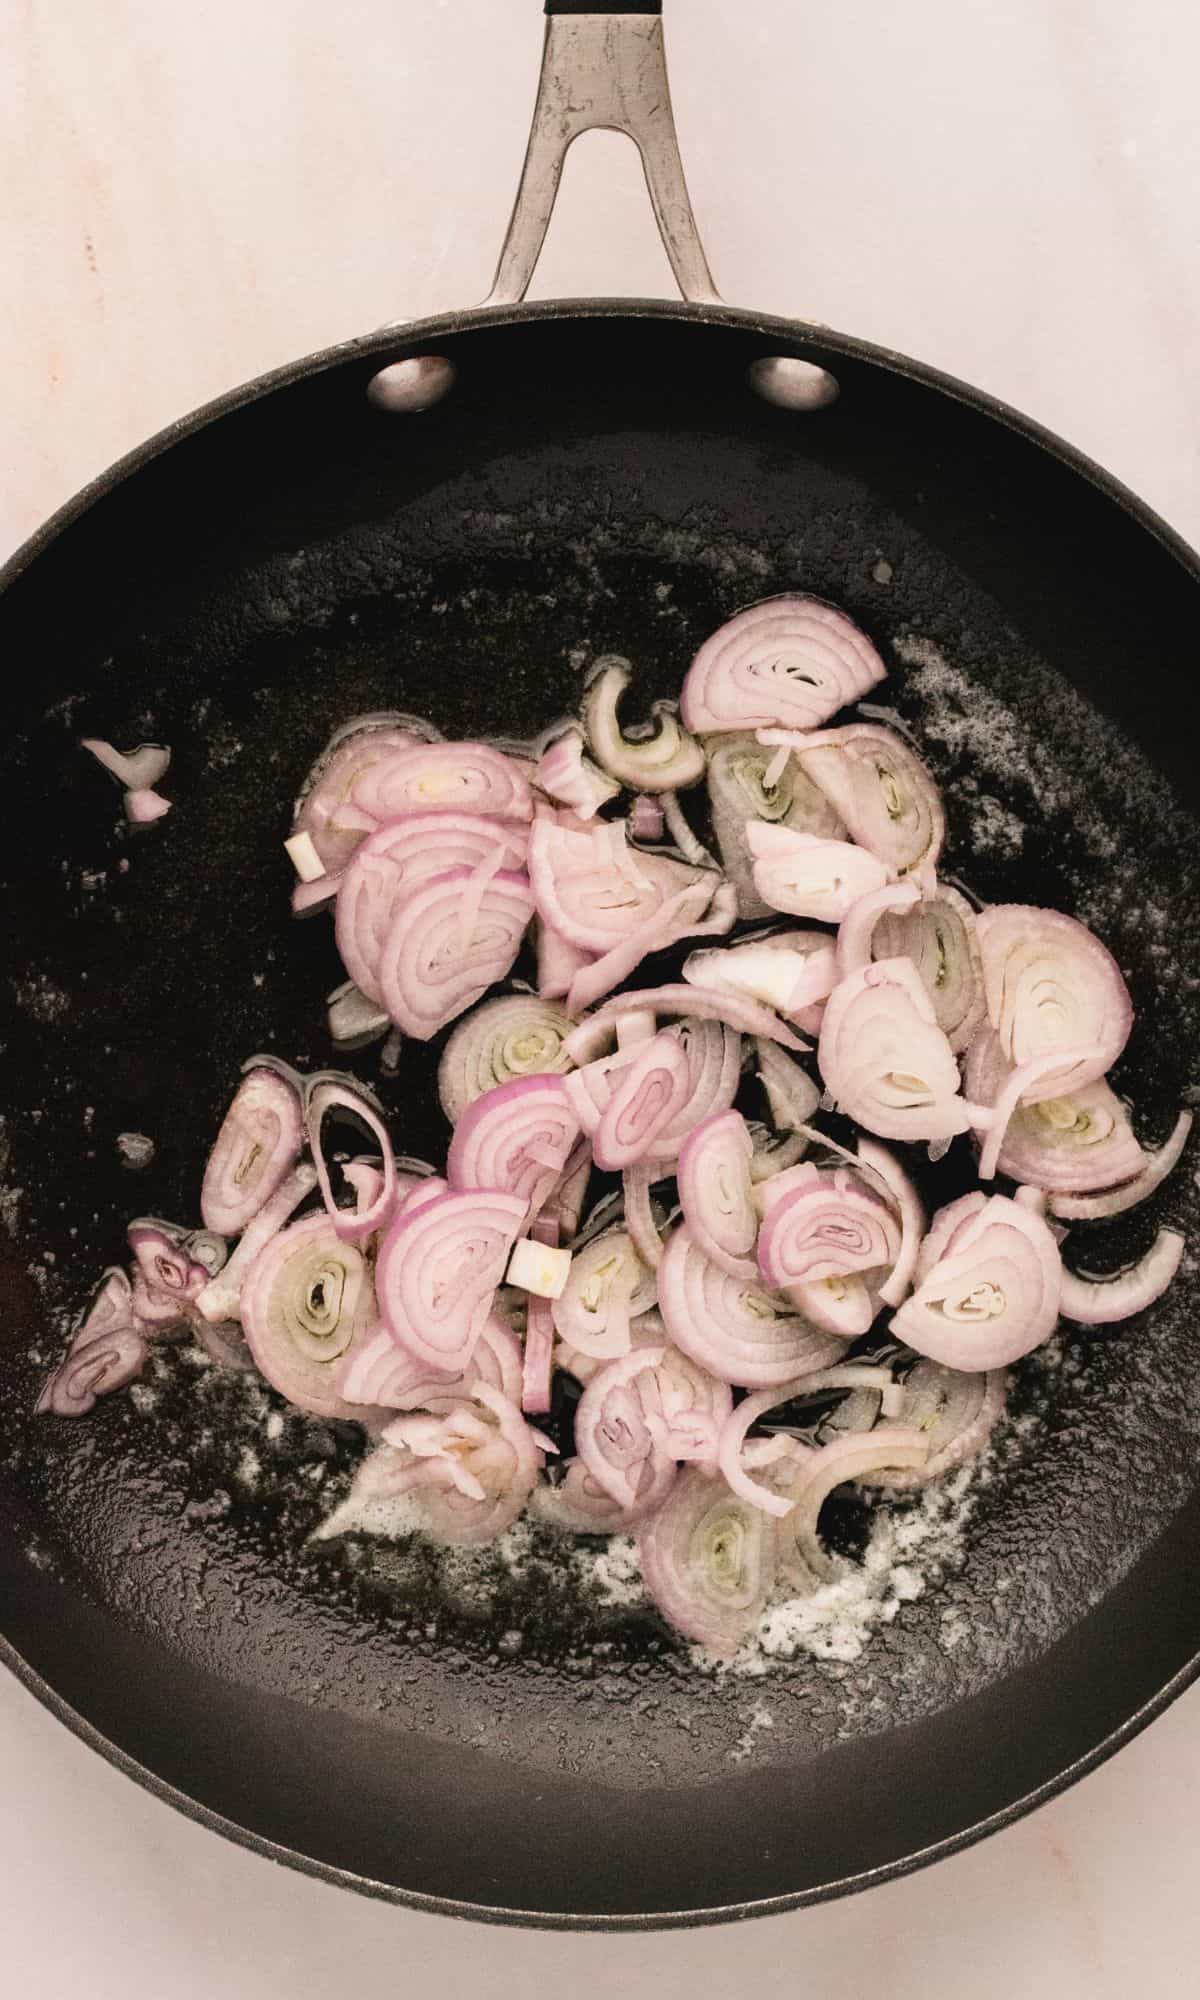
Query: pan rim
column 393, row 342
column 567, row 1920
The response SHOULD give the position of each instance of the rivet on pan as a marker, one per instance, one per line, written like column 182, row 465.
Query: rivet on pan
column 792, row 384
column 416, row 384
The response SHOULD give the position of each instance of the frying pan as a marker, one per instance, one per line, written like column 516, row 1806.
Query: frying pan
column 453, row 517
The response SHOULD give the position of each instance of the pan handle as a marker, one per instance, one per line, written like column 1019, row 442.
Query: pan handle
column 607, row 67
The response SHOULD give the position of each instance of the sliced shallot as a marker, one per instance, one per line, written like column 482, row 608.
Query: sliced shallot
column 885, row 1060
column 739, row 768
column 803, row 1556
column 594, row 890
column 382, row 1375
column 938, row 934
column 515, row 1036
column 1077, row 1142
column 664, row 759
column 698, row 1002
column 887, row 1168
column 731, row 1454
column 438, row 1269
column 220, row 1299
column 695, row 911
column 808, row 877
column 168, row 1280
column 445, row 1441
column 791, row 970
column 106, row 1352
column 106, row 1362
column 955, row 1414
column 1016, row 1085
column 708, row 1560
column 1100, row 1301
column 1115, row 1200
column 821, row 1228
column 324, row 810
column 993, row 1293
column 732, row 1326
column 308, row 1298
column 429, row 972
column 134, row 770
column 565, row 774
column 716, row 1193
column 713, row 1059
column 444, row 778
column 686, row 1408
column 465, row 1491
column 650, row 1094
column 882, row 790
column 396, row 859
column 612, row 1436
column 580, row 1504
column 332, row 1093
column 516, row 1138
column 817, row 1238
column 790, row 660
column 138, row 771
column 1051, row 984
column 608, row 1287
column 651, row 1402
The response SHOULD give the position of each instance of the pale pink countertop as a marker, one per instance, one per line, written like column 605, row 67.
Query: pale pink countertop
column 198, row 192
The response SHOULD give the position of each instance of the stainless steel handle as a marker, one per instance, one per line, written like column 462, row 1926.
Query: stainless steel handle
column 606, row 70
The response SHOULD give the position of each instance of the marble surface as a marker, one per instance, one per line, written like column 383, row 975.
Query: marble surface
column 199, row 192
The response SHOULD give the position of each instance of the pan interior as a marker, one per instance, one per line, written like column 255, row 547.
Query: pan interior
column 592, row 484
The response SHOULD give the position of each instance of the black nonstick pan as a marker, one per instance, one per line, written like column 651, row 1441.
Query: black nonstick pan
column 454, row 518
